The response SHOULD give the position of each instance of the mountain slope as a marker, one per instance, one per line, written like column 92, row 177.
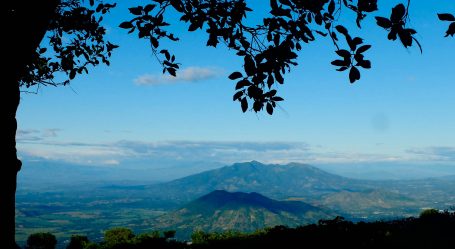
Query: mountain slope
column 276, row 181
column 221, row 211
column 371, row 204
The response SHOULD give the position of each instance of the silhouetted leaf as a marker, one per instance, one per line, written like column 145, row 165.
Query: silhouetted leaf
column 344, row 53
column 278, row 77
column 250, row 67
column 383, row 22
column 392, row 35
column 177, row 5
column 354, row 74
column 451, row 30
column 358, row 57
column 341, row 63
column 193, row 27
column 341, row 69
column 273, row 4
column 244, row 104
column 341, row 29
column 319, row 32
column 135, row 10
column 281, row 12
column 99, row 7
column 331, row 7
column 406, row 38
column 269, row 108
column 237, row 95
column 149, row 7
column 257, row 106
column 354, row 43
column 365, row 64
column 363, row 49
column 367, row 5
column 270, row 80
column 398, row 13
column 242, row 83
column 72, row 74
column 166, row 54
column 154, row 42
column 446, row 17
column 126, row 25
column 276, row 98
column 172, row 71
column 235, row 75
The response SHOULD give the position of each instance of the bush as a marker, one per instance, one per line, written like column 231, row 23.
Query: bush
column 117, row 237
column 429, row 213
column 78, row 242
column 41, row 241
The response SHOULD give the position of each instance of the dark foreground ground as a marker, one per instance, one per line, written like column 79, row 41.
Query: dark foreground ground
column 432, row 229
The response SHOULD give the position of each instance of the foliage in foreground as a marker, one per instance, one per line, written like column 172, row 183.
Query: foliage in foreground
column 432, row 229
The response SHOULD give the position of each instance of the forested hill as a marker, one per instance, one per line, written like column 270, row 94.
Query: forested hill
column 221, row 211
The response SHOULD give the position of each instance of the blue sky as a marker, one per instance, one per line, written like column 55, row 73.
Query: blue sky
column 401, row 109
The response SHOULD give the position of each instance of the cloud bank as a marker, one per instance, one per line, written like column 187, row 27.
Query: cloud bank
column 143, row 152
column 46, row 144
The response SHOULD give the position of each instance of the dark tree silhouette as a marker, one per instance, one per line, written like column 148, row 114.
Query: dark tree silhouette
column 26, row 64
column 41, row 241
column 269, row 49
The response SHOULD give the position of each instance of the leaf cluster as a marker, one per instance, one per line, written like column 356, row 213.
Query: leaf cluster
column 76, row 41
column 269, row 49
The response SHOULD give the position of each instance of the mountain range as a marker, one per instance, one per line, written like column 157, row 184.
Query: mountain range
column 272, row 180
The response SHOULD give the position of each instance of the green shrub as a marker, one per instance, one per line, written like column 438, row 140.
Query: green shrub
column 429, row 213
column 41, row 241
column 78, row 242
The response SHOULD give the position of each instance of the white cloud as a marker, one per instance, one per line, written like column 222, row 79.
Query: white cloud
column 79, row 153
column 110, row 162
column 190, row 74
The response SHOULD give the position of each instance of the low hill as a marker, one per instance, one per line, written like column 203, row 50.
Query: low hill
column 222, row 211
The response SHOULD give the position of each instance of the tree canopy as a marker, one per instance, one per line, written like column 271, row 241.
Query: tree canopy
column 269, row 48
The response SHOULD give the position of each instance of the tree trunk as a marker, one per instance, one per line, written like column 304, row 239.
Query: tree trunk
column 25, row 26
column 11, row 165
